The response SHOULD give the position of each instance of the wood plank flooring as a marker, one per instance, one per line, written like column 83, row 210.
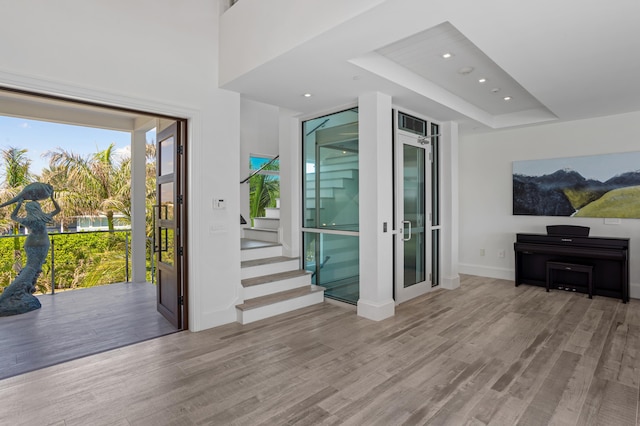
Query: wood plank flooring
column 78, row 323
column 486, row 354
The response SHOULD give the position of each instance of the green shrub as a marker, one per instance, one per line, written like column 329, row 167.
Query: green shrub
column 84, row 259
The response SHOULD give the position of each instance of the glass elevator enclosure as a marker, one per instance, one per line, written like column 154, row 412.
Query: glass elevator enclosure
column 330, row 203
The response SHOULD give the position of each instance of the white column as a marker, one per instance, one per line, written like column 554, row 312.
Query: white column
column 376, row 207
column 290, row 148
column 138, row 206
column 450, row 279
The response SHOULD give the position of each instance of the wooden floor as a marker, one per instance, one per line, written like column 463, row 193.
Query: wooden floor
column 488, row 353
column 77, row 323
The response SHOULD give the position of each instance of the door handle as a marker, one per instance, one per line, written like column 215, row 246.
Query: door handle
column 409, row 222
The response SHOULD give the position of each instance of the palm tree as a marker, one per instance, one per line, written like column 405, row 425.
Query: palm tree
column 150, row 186
column 95, row 184
column 263, row 192
column 57, row 177
column 16, row 176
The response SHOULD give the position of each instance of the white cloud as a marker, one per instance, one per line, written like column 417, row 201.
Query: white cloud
column 123, row 153
column 25, row 125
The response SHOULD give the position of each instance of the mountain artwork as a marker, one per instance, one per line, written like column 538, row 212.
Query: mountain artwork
column 604, row 186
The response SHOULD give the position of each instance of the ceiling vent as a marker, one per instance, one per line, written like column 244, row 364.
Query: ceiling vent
column 412, row 124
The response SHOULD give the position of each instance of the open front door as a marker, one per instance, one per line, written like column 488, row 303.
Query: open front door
column 169, row 216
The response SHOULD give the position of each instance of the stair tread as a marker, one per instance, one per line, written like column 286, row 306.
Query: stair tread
column 263, row 279
column 270, row 299
column 266, row 261
column 262, row 229
column 249, row 244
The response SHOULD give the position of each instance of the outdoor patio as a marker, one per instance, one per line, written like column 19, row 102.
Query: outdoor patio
column 77, row 323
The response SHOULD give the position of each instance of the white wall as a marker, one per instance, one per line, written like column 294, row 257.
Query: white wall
column 277, row 26
column 486, row 220
column 158, row 56
column 259, row 134
column 375, row 130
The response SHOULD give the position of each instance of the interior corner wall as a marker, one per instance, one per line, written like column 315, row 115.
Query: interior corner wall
column 486, row 219
column 163, row 58
column 259, row 134
column 290, row 149
column 276, row 27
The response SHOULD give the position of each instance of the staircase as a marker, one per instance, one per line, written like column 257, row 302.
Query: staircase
column 272, row 284
column 266, row 228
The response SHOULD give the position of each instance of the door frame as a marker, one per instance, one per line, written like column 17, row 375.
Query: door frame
column 138, row 109
column 176, row 311
column 402, row 293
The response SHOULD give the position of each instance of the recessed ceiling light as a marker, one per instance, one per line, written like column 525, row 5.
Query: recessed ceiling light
column 482, row 80
column 447, row 55
column 495, row 90
column 465, row 70
column 507, row 98
column 307, row 95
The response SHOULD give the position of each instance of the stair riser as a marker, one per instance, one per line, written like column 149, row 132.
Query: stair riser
column 341, row 158
column 260, row 253
column 268, row 269
column 253, row 234
column 327, row 183
column 324, row 193
column 338, row 274
column 336, row 174
column 334, row 166
column 272, row 213
column 275, row 287
column 246, row 317
column 266, row 223
column 311, row 204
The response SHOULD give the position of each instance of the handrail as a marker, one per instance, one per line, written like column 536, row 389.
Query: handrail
column 260, row 169
column 318, row 126
column 53, row 248
column 326, row 259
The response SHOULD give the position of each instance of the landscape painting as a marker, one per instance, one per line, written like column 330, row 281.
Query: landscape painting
column 606, row 186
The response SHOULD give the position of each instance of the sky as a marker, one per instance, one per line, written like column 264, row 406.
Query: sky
column 38, row 137
column 597, row 167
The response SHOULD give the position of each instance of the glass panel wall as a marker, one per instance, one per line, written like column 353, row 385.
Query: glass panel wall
column 334, row 262
column 330, row 203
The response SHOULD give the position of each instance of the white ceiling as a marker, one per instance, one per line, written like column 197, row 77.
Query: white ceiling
column 559, row 61
column 459, row 74
column 18, row 104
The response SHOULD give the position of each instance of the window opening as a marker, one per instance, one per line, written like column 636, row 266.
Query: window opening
column 264, row 186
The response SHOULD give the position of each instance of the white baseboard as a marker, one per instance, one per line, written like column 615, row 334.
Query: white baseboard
column 509, row 274
column 376, row 311
column 634, row 290
column 486, row 271
column 217, row 318
column 450, row 283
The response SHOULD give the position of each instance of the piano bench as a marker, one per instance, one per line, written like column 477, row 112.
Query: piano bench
column 563, row 266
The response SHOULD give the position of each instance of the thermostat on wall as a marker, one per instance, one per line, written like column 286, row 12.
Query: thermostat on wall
column 218, row 203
